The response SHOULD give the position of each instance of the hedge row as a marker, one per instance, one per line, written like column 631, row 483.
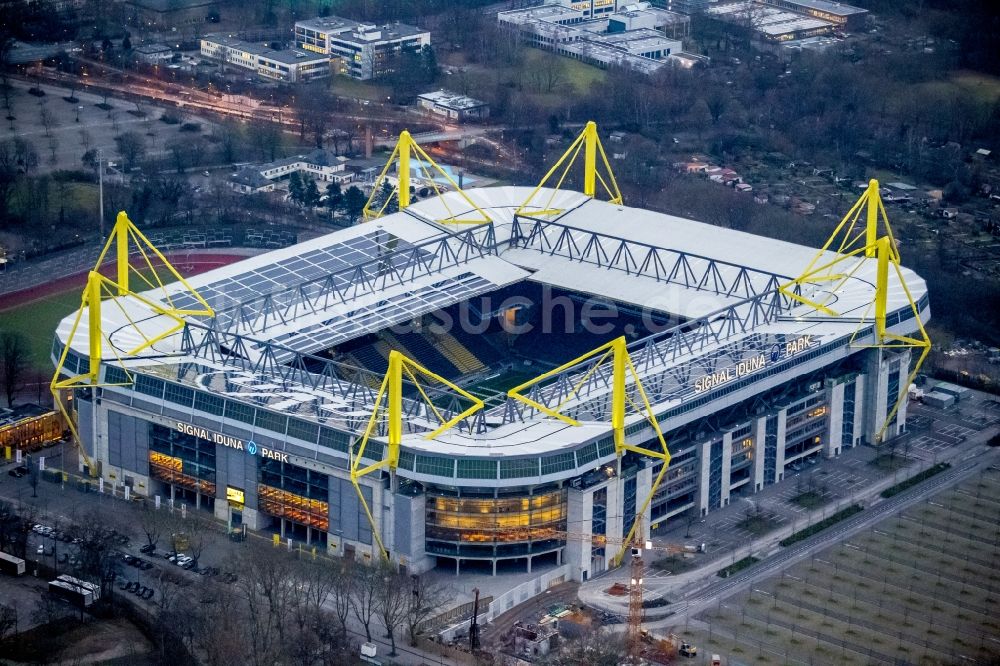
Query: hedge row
column 915, row 479
column 843, row 514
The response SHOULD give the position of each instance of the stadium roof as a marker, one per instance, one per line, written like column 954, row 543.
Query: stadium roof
column 276, row 310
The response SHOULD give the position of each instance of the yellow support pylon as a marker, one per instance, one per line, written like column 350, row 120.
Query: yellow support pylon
column 873, row 240
column 390, row 400
column 403, row 153
column 590, row 144
column 100, row 288
column 622, row 370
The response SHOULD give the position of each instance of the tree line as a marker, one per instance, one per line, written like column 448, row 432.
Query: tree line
column 273, row 607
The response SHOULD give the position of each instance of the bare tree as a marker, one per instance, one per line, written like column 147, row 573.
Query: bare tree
column 48, row 609
column 200, row 535
column 342, row 593
column 99, row 562
column 85, row 140
column 266, row 591
column 424, row 598
column 131, row 148
column 15, row 354
column 154, row 524
column 47, row 120
column 364, row 596
column 391, row 600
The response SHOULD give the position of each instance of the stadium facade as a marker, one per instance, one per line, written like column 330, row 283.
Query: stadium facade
column 253, row 414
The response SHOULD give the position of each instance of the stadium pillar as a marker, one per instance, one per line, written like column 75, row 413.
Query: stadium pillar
column 404, row 169
column 395, row 400
column 590, row 159
column 881, row 285
column 618, row 394
column 121, row 243
column 94, row 323
column 871, row 226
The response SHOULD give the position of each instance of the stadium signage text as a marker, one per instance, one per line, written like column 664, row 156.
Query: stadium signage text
column 711, row 380
column 230, row 441
column 753, row 364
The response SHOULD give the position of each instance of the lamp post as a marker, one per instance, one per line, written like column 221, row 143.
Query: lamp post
column 100, row 187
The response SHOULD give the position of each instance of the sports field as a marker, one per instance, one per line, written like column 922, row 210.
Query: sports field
column 919, row 588
column 36, row 313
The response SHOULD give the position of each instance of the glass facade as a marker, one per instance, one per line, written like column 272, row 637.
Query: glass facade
column 181, row 460
column 505, row 526
column 715, row 474
column 847, row 431
column 771, row 449
column 294, row 493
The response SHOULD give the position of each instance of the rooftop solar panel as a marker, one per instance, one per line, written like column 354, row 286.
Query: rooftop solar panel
column 384, row 313
column 294, row 270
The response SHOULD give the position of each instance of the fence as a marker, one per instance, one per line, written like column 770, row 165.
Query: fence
column 527, row 590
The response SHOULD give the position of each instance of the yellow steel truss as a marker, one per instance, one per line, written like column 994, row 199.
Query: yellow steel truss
column 857, row 246
column 390, row 401
column 100, row 288
column 407, row 149
column 590, row 143
column 616, row 352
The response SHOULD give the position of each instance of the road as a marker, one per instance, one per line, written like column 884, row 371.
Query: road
column 243, row 107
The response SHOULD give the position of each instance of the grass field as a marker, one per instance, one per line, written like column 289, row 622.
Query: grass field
column 921, row 587
column 348, row 87
column 502, row 383
column 38, row 319
column 578, row 74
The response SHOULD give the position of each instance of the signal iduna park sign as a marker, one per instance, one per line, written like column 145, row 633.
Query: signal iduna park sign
column 752, row 364
column 230, row 441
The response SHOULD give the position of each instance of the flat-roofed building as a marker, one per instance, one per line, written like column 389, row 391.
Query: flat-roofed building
column 843, row 15
column 290, row 65
column 153, row 54
column 453, row 106
column 167, row 14
column 635, row 37
column 360, row 50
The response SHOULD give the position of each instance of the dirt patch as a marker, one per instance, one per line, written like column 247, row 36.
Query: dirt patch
column 91, row 642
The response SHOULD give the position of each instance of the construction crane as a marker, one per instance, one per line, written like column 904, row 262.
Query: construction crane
column 633, row 634
column 474, row 624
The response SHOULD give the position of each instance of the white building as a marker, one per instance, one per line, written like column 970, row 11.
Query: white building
column 153, row 54
column 634, row 35
column 290, row 65
column 320, row 165
column 361, row 50
column 453, row 106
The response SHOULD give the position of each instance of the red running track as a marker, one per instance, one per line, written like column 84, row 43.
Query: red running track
column 185, row 263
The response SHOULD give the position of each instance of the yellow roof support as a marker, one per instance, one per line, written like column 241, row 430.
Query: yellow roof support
column 622, row 370
column 871, row 241
column 100, row 288
column 590, row 143
column 405, row 151
column 389, row 400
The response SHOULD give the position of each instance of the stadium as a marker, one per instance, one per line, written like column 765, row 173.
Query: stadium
column 490, row 380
